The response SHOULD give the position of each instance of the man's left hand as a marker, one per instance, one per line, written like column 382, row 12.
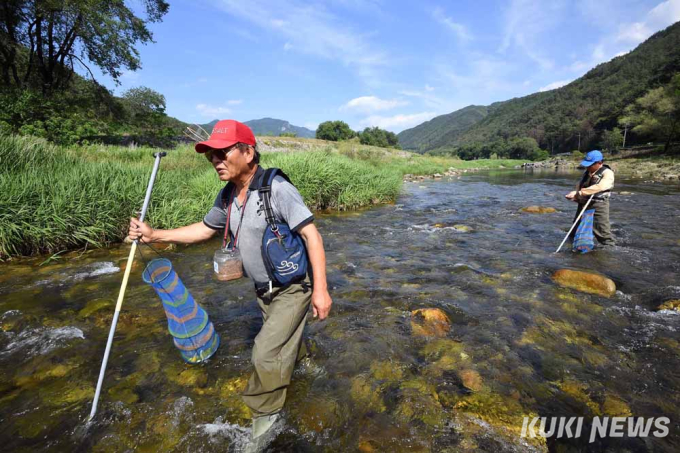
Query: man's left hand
column 571, row 195
column 321, row 304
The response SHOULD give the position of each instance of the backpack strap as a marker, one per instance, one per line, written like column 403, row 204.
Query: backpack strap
column 227, row 198
column 265, row 191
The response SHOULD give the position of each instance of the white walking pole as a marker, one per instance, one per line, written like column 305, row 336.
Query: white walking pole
column 121, row 294
column 575, row 223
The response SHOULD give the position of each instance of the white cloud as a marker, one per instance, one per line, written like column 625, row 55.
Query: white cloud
column 235, row 102
column 368, row 104
column 661, row 16
column 211, row 111
column 287, row 46
column 629, row 34
column 397, row 123
column 486, row 74
column 459, row 30
column 311, row 29
column 555, row 85
column 526, row 24
column 428, row 98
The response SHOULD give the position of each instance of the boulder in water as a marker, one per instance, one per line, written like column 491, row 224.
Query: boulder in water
column 585, row 282
column 538, row 210
column 670, row 305
column 471, row 380
column 430, row 322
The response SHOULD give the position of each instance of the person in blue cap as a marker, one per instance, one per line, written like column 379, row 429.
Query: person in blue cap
column 597, row 180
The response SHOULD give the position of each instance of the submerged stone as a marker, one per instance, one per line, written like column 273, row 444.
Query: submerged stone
column 462, row 228
column 615, row 407
column 430, row 322
column 96, row 305
column 419, row 401
column 585, row 282
column 538, row 210
column 193, row 377
column 365, row 395
column 387, row 371
column 230, row 397
column 580, row 393
column 471, row 380
column 670, row 305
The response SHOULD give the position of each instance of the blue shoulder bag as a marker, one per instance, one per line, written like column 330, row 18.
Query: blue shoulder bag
column 283, row 251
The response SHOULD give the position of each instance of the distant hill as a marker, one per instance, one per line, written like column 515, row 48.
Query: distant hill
column 271, row 127
column 442, row 130
column 586, row 106
column 274, row 127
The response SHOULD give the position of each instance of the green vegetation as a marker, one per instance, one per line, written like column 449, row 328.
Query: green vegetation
column 334, row 131
column 41, row 45
column 558, row 120
column 514, row 148
column 57, row 198
column 442, row 131
column 375, row 136
column 657, row 113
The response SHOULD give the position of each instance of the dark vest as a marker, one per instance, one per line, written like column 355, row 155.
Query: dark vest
column 595, row 179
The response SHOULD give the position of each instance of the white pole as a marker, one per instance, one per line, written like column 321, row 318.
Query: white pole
column 123, row 286
column 575, row 223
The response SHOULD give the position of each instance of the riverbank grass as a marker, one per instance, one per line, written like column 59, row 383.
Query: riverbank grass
column 55, row 199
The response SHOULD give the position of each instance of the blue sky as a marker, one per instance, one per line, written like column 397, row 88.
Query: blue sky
column 378, row 62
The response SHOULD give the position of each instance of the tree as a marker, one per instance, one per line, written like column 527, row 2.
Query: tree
column 288, row 134
column 51, row 36
column 375, row 136
column 612, row 140
column 334, row 131
column 145, row 107
column 657, row 113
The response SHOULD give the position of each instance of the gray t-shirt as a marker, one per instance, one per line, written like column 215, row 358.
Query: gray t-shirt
column 288, row 207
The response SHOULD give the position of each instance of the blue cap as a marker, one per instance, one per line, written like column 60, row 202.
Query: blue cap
column 591, row 158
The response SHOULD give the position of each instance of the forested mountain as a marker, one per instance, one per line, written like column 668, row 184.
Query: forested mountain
column 270, row 126
column 443, row 129
column 588, row 106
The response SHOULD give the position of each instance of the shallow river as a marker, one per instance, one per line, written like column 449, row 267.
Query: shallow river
column 379, row 380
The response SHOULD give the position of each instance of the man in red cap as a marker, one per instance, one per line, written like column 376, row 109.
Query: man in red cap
column 232, row 150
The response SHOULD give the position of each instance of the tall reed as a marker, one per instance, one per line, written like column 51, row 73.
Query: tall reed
column 54, row 199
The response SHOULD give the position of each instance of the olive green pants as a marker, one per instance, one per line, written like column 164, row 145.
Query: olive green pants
column 602, row 229
column 278, row 346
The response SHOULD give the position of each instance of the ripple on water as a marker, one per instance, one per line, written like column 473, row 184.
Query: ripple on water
column 92, row 270
column 41, row 340
column 238, row 436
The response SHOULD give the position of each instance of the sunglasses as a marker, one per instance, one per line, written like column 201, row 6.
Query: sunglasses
column 221, row 154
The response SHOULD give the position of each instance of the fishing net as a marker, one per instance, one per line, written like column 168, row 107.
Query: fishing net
column 193, row 333
column 584, row 240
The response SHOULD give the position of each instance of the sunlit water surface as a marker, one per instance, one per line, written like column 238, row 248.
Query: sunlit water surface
column 518, row 346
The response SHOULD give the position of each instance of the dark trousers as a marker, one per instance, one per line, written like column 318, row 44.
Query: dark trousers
column 601, row 227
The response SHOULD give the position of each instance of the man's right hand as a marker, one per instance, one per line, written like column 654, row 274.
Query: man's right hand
column 140, row 230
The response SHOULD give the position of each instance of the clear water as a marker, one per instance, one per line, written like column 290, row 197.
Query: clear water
column 518, row 346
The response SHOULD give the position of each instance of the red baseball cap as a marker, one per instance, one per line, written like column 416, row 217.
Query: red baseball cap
column 227, row 133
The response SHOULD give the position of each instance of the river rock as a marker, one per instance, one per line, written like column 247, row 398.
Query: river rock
column 670, row 305
column 462, row 228
column 538, row 210
column 585, row 282
column 430, row 322
column 471, row 380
